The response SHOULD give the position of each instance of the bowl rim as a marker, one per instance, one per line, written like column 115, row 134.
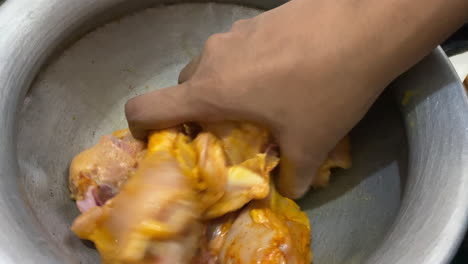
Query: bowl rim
column 33, row 30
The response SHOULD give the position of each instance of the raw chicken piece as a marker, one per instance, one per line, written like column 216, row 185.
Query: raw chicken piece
column 240, row 141
column 243, row 141
column 268, row 231
column 339, row 157
column 183, row 187
column 154, row 218
column 163, row 202
column 248, row 174
column 97, row 173
column 214, row 238
column 212, row 169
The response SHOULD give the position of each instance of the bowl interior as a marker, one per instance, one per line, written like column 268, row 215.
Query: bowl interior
column 80, row 95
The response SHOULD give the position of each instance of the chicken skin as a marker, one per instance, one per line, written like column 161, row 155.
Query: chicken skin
column 194, row 198
column 97, row 173
column 272, row 230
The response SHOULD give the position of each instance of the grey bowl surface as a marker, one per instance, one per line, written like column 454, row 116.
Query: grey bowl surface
column 404, row 201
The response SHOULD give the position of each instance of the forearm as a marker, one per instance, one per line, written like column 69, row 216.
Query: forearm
column 381, row 38
column 401, row 32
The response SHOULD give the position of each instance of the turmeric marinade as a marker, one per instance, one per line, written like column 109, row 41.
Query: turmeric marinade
column 191, row 196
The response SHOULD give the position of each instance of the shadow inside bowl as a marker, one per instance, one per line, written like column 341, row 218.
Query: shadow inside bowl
column 360, row 204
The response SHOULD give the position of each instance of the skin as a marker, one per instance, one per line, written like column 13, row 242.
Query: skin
column 308, row 70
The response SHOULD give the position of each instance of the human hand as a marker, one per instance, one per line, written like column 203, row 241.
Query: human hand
column 308, row 70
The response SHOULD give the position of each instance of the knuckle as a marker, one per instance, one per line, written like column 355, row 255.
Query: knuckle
column 238, row 24
column 213, row 41
column 133, row 111
column 218, row 41
column 205, row 95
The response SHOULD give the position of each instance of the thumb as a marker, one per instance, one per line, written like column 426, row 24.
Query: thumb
column 161, row 109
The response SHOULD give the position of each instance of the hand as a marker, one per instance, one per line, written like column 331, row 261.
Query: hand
column 308, row 70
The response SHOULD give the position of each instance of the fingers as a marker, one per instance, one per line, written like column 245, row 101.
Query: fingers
column 297, row 169
column 189, row 69
column 160, row 109
column 163, row 108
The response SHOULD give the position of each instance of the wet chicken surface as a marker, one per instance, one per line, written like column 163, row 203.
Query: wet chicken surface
column 191, row 198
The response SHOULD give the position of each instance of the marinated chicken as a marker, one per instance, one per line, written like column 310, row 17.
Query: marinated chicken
column 187, row 197
column 155, row 212
column 272, row 230
column 97, row 173
column 339, row 157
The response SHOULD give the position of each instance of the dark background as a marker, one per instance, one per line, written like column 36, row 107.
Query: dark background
column 456, row 44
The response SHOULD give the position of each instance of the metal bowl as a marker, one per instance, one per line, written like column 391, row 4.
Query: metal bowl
column 404, row 201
